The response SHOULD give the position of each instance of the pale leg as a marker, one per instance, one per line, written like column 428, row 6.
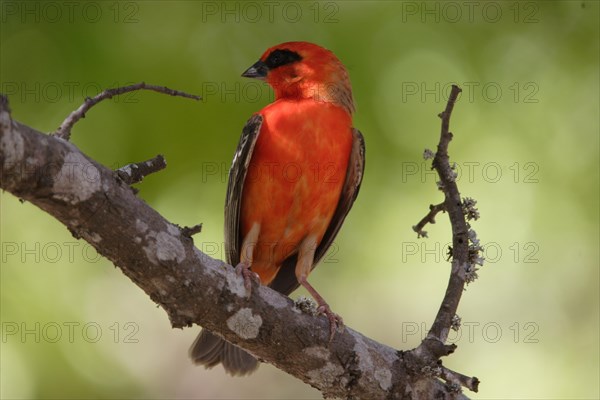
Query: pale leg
column 246, row 258
column 306, row 256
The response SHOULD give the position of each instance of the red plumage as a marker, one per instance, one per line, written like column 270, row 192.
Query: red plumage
column 294, row 178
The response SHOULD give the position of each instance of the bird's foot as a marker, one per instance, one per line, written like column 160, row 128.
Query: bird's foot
column 244, row 270
column 335, row 321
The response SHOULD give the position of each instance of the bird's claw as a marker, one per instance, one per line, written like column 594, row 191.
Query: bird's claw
column 244, row 270
column 335, row 321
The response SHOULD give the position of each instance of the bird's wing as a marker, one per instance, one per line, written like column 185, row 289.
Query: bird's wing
column 285, row 281
column 235, row 187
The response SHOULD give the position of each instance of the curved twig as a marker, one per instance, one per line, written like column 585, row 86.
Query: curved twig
column 460, row 240
column 64, row 130
column 463, row 271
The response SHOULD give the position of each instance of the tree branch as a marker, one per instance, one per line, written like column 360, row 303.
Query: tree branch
column 428, row 219
column 136, row 172
column 463, row 270
column 190, row 231
column 64, row 130
column 453, row 205
column 192, row 287
column 458, row 380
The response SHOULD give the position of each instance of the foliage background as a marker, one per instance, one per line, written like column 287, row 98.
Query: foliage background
column 526, row 143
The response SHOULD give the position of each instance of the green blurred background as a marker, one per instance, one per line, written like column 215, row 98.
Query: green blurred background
column 526, row 144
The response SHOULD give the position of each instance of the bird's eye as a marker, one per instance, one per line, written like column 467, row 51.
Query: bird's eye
column 280, row 57
column 276, row 59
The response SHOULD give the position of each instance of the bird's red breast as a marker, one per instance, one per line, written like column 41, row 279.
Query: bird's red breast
column 294, row 178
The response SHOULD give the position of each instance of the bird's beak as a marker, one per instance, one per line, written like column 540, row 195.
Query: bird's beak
column 259, row 71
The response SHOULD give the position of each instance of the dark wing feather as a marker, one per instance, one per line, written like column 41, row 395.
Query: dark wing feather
column 285, row 281
column 208, row 349
column 235, row 187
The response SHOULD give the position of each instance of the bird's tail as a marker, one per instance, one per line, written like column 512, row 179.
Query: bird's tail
column 210, row 350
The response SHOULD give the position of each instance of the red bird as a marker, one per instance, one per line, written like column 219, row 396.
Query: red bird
column 295, row 175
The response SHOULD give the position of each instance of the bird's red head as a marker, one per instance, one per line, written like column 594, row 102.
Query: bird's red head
column 304, row 70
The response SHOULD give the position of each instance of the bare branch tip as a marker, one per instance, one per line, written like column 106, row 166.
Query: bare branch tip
column 136, row 172
column 428, row 219
column 189, row 231
column 420, row 232
column 457, row 381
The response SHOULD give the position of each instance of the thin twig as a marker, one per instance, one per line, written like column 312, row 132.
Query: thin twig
column 428, row 219
column 136, row 172
column 189, row 231
column 453, row 377
column 433, row 346
column 64, row 130
column 453, row 206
